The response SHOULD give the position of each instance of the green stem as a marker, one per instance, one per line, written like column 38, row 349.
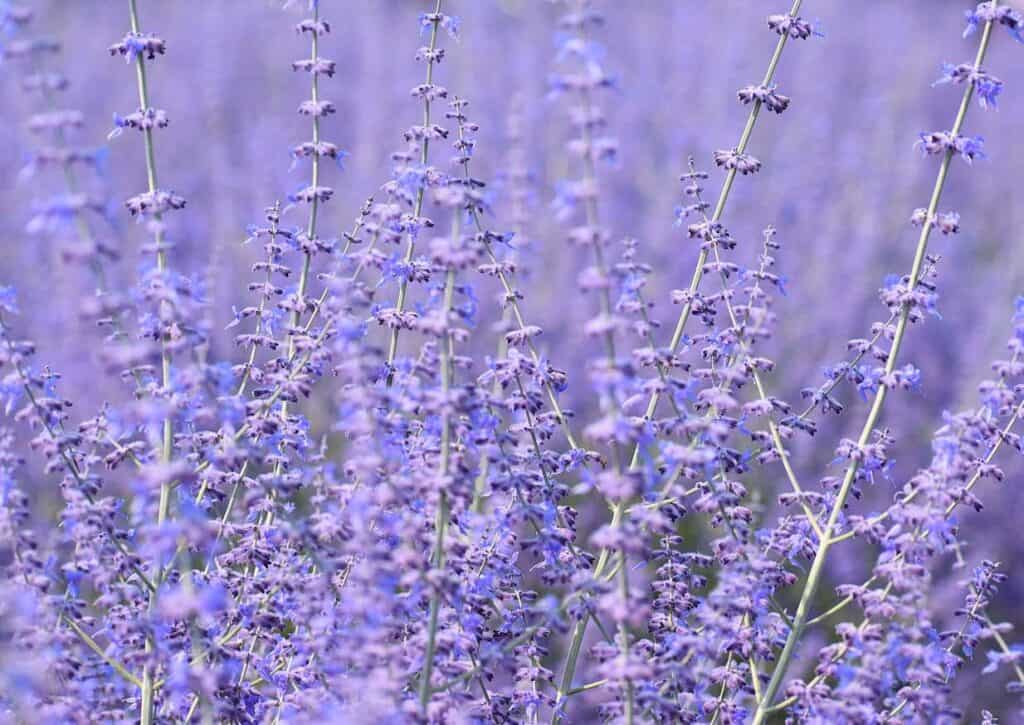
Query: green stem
column 91, row 643
column 1004, row 646
column 821, row 556
column 587, row 687
column 745, row 348
column 917, row 534
column 69, row 461
column 589, row 174
column 443, row 508
column 716, row 215
column 119, row 668
column 410, row 249
column 251, row 360
column 517, row 313
column 300, row 295
column 480, row 484
column 677, row 336
column 314, row 205
column 166, row 451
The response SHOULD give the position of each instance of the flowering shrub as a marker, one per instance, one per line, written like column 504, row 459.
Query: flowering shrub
column 478, row 530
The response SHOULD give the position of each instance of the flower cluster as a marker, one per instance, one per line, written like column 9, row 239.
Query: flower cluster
column 368, row 498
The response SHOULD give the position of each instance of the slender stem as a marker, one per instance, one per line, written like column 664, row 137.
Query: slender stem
column 314, row 205
column 967, row 488
column 119, row 668
column 589, row 177
column 917, row 534
column 480, row 484
column 755, row 676
column 969, row 618
column 513, row 313
column 722, row 689
column 307, row 258
column 91, row 643
column 271, row 258
column 838, row 606
column 1005, row 648
column 294, row 367
column 166, row 450
column 677, row 336
column 716, row 215
column 821, row 556
column 744, row 344
column 678, row 332
column 410, row 249
column 624, row 638
column 517, row 313
column 587, row 687
column 67, row 458
column 443, row 508
column 971, row 483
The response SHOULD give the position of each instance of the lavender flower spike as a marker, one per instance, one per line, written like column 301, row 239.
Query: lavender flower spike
column 430, row 56
column 821, row 555
column 152, row 205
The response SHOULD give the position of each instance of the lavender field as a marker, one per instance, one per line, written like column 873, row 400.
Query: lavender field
column 513, row 361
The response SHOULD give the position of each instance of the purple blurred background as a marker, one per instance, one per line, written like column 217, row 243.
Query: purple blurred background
column 841, row 177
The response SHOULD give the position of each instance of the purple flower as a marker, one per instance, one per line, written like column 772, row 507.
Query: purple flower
column 992, row 11
column 142, row 120
column 937, row 142
column 135, row 45
column 794, row 27
column 987, row 86
column 404, row 469
column 772, row 100
column 450, row 23
column 730, row 160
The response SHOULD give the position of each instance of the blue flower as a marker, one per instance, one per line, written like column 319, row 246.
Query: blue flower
column 988, row 89
column 9, row 299
column 119, row 126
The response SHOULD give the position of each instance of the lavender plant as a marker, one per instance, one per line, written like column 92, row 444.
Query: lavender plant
column 395, row 484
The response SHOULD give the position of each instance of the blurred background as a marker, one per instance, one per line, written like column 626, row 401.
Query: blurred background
column 840, row 180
